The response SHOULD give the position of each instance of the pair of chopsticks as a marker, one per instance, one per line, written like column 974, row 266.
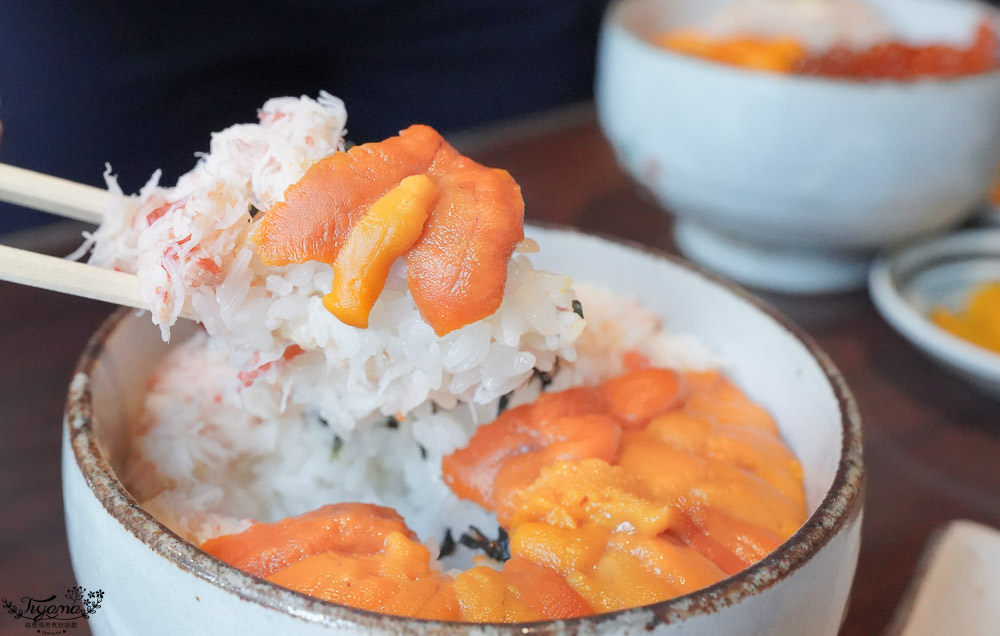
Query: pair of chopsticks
column 74, row 201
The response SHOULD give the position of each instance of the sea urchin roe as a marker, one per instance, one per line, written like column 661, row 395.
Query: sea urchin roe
column 357, row 554
column 979, row 321
column 522, row 591
column 319, row 210
column 397, row 579
column 697, row 485
column 780, row 55
column 384, row 233
column 457, row 262
column 458, row 269
column 610, row 503
column 266, row 548
column 513, row 448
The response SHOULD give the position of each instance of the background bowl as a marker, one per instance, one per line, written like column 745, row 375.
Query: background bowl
column 156, row 583
column 788, row 182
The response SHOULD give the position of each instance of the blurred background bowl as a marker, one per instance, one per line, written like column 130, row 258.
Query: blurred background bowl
column 791, row 183
column 156, row 583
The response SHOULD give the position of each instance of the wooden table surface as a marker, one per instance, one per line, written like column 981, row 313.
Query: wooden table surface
column 932, row 443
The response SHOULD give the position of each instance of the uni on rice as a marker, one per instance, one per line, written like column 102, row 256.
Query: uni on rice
column 277, row 409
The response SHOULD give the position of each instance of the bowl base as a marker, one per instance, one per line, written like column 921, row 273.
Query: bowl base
column 770, row 267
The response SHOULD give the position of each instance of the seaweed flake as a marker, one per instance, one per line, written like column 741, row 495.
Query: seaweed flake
column 423, row 451
column 503, row 402
column 544, row 377
column 338, row 443
column 392, row 422
column 253, row 211
column 448, row 544
column 577, row 308
column 497, row 549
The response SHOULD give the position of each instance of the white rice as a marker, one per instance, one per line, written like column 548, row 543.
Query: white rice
column 234, row 430
column 209, row 456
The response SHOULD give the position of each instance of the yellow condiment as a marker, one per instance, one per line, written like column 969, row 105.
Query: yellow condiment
column 979, row 321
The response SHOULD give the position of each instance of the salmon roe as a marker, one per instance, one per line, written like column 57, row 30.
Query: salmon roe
column 892, row 60
column 895, row 60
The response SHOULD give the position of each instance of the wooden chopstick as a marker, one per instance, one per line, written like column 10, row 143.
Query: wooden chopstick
column 52, row 194
column 69, row 277
column 75, row 201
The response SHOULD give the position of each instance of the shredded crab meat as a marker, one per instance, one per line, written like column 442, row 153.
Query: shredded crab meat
column 182, row 238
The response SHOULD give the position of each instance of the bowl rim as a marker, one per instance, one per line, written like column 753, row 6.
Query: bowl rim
column 840, row 504
column 613, row 18
column 892, row 273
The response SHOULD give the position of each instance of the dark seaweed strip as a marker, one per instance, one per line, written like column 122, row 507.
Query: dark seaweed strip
column 392, row 422
column 498, row 549
column 423, row 451
column 448, row 544
column 253, row 211
column 503, row 402
column 546, row 377
column 578, row 308
column 338, row 443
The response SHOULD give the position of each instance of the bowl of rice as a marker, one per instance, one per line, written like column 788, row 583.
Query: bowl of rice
column 183, row 437
column 794, row 140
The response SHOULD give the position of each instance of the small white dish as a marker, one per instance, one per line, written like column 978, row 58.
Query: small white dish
column 957, row 588
column 908, row 283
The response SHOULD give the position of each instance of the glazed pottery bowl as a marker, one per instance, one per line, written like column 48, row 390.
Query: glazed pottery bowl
column 791, row 183
column 154, row 582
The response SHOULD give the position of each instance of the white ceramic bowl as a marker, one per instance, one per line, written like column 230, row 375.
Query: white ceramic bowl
column 940, row 272
column 789, row 182
column 156, row 583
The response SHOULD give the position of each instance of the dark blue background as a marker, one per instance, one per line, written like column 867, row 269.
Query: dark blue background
column 142, row 85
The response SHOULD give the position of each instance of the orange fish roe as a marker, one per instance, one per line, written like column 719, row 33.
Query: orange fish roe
column 891, row 60
column 650, row 486
column 900, row 61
